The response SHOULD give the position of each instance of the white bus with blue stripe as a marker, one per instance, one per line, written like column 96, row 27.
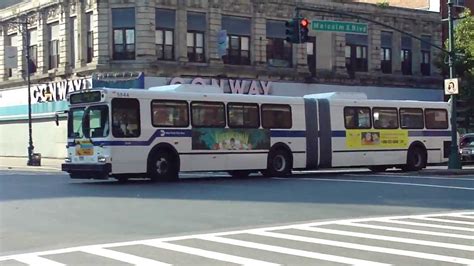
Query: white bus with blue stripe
column 160, row 132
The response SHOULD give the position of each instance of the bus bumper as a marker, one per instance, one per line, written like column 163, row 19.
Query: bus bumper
column 87, row 171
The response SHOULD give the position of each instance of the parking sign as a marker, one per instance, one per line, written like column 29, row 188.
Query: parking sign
column 451, row 86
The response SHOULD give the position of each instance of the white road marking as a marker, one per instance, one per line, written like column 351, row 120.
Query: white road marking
column 120, row 256
column 35, row 258
column 37, row 261
column 413, row 176
column 376, row 182
column 460, row 216
column 427, row 225
column 208, row 254
column 393, row 251
column 405, row 230
column 443, row 220
column 386, row 238
column 289, row 251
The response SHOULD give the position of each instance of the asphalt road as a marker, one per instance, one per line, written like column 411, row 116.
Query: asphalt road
column 44, row 211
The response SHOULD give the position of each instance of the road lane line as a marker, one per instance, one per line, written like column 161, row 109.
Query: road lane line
column 290, row 251
column 412, row 176
column 459, row 215
column 426, row 225
column 208, row 254
column 37, row 261
column 392, row 251
column 405, row 230
column 375, row 182
column 120, row 256
column 443, row 220
column 386, row 238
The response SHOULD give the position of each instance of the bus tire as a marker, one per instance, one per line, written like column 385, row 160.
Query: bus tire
column 378, row 168
column 279, row 163
column 163, row 166
column 416, row 159
column 239, row 173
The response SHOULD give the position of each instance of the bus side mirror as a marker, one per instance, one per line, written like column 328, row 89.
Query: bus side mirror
column 56, row 119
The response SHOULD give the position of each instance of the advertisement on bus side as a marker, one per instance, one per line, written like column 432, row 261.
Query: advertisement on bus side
column 387, row 138
column 230, row 139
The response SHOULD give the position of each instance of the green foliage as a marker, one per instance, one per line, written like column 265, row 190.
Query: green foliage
column 383, row 4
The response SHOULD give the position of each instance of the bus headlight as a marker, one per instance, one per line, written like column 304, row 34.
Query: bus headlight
column 101, row 159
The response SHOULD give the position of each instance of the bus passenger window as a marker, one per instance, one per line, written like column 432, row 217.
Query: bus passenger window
column 385, row 118
column 169, row 113
column 125, row 118
column 411, row 118
column 243, row 115
column 208, row 114
column 357, row 117
column 436, row 118
column 276, row 116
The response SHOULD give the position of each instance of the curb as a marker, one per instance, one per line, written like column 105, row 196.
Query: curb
column 447, row 172
column 30, row 168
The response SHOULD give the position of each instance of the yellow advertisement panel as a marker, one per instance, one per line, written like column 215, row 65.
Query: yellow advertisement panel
column 84, row 147
column 373, row 138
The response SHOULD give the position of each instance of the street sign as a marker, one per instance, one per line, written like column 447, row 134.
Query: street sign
column 11, row 57
column 451, row 86
column 339, row 26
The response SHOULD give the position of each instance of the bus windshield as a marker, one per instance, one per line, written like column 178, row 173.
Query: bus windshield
column 96, row 122
column 74, row 129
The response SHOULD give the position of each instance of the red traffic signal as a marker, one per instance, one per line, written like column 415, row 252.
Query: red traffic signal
column 304, row 23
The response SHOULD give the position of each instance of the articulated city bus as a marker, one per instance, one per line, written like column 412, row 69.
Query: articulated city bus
column 160, row 132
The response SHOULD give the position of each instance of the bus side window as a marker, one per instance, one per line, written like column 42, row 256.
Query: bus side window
column 276, row 116
column 436, row 118
column 168, row 113
column 125, row 118
column 357, row 117
column 385, row 118
column 411, row 118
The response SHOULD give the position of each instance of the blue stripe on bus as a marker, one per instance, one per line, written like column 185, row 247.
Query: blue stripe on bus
column 185, row 133
column 338, row 134
column 429, row 133
column 288, row 133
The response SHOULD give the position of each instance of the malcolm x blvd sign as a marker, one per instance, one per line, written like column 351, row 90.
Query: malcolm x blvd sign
column 339, row 26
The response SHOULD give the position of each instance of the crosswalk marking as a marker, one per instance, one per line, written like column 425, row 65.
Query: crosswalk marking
column 393, row 251
column 453, row 222
column 387, row 238
column 120, row 256
column 444, row 220
column 290, row 251
column 37, row 261
column 208, row 254
column 405, row 230
column 428, row 225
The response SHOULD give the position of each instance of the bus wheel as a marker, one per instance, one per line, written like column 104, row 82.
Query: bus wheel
column 279, row 163
column 163, row 167
column 416, row 159
column 239, row 173
column 378, row 168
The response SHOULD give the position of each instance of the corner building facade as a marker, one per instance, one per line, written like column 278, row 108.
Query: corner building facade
column 183, row 41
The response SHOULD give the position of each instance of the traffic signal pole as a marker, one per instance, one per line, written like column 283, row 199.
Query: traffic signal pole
column 454, row 161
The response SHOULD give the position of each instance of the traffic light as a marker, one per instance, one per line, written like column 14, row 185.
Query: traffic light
column 292, row 31
column 304, row 24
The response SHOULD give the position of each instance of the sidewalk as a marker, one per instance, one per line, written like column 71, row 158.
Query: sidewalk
column 47, row 164
column 19, row 163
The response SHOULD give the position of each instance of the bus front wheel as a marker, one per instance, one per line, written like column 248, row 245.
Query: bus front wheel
column 163, row 167
column 279, row 163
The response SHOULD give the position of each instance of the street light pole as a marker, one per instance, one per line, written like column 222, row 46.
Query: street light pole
column 454, row 161
column 27, row 71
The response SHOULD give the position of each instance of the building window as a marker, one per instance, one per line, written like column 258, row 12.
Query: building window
column 195, row 37
column 238, row 40
column 11, row 40
column 73, row 45
column 386, row 52
column 425, row 65
column 90, row 38
column 356, row 53
column 311, row 55
column 123, row 24
column 53, row 31
column 33, row 50
column 195, row 46
column 406, row 55
column 164, row 34
column 279, row 51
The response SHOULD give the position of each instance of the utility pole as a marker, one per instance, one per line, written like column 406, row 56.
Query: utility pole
column 454, row 161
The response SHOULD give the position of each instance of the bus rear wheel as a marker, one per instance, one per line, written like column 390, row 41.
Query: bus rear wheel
column 163, row 166
column 279, row 163
column 416, row 159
